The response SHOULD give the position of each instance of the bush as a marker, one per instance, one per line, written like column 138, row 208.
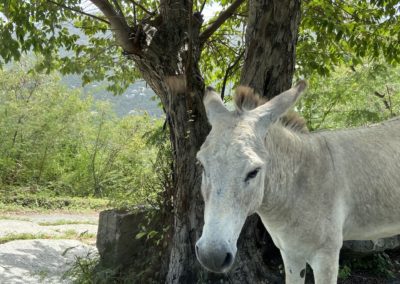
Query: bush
column 352, row 97
column 59, row 142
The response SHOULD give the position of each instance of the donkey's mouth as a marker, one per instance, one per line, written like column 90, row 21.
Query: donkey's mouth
column 214, row 266
column 214, row 260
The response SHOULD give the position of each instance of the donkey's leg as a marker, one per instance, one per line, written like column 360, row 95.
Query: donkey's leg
column 295, row 268
column 325, row 265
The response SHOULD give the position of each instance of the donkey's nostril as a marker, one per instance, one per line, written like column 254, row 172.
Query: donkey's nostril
column 228, row 260
column 214, row 256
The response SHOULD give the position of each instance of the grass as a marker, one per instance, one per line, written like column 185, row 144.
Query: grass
column 83, row 270
column 5, row 217
column 88, row 270
column 65, row 222
column 42, row 274
column 72, row 234
column 23, row 236
column 30, row 202
column 69, row 234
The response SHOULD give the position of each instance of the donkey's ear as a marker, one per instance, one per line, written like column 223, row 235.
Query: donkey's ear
column 215, row 109
column 280, row 104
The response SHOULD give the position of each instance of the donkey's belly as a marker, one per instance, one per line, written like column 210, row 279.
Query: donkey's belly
column 372, row 224
column 371, row 233
column 373, row 211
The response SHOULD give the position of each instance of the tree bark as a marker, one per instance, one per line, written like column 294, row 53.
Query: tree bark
column 271, row 38
column 189, row 127
column 174, row 52
column 167, row 58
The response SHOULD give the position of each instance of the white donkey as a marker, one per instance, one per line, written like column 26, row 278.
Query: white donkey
column 311, row 190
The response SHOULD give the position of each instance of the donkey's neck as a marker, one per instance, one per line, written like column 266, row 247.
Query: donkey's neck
column 289, row 156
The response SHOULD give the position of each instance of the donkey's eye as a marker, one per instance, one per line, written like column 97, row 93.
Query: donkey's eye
column 252, row 174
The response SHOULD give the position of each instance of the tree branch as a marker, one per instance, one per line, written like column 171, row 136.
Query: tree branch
column 384, row 100
column 79, row 11
column 122, row 31
column 142, row 7
column 202, row 6
column 228, row 72
column 119, row 10
column 222, row 17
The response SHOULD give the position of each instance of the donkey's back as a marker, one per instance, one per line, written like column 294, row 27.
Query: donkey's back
column 367, row 163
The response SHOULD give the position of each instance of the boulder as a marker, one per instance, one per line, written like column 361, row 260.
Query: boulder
column 367, row 247
column 116, row 238
column 129, row 246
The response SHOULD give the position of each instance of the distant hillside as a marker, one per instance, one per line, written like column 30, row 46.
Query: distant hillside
column 138, row 98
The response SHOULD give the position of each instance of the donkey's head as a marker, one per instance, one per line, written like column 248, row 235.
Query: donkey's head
column 234, row 160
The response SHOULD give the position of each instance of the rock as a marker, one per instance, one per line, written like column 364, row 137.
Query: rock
column 40, row 261
column 122, row 254
column 116, row 238
column 367, row 247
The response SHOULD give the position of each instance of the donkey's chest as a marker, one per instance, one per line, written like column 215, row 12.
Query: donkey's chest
column 308, row 225
column 294, row 236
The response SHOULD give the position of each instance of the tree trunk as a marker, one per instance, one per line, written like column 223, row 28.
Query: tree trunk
column 169, row 64
column 271, row 38
column 180, row 87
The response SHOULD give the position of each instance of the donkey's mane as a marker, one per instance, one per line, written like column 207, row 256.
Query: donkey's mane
column 246, row 99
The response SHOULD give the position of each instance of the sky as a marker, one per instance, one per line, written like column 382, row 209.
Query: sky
column 210, row 10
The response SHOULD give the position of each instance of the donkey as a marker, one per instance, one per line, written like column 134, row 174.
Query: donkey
column 311, row 190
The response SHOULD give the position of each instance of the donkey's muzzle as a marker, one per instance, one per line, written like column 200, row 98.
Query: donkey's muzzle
column 215, row 256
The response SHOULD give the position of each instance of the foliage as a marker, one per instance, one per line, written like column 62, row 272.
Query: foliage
column 378, row 264
column 88, row 270
column 58, row 142
column 34, row 114
column 352, row 97
column 74, row 41
column 9, row 201
column 335, row 33
column 92, row 56
column 83, row 269
column 344, row 272
column 224, row 51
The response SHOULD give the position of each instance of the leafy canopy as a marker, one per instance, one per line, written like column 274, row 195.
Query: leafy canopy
column 75, row 37
column 352, row 97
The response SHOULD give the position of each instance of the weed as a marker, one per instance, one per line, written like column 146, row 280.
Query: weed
column 344, row 272
column 87, row 270
column 378, row 264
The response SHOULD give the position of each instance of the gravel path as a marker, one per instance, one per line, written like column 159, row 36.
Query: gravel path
column 44, row 260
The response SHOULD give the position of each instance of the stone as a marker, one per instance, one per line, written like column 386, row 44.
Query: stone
column 116, row 238
column 367, row 247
